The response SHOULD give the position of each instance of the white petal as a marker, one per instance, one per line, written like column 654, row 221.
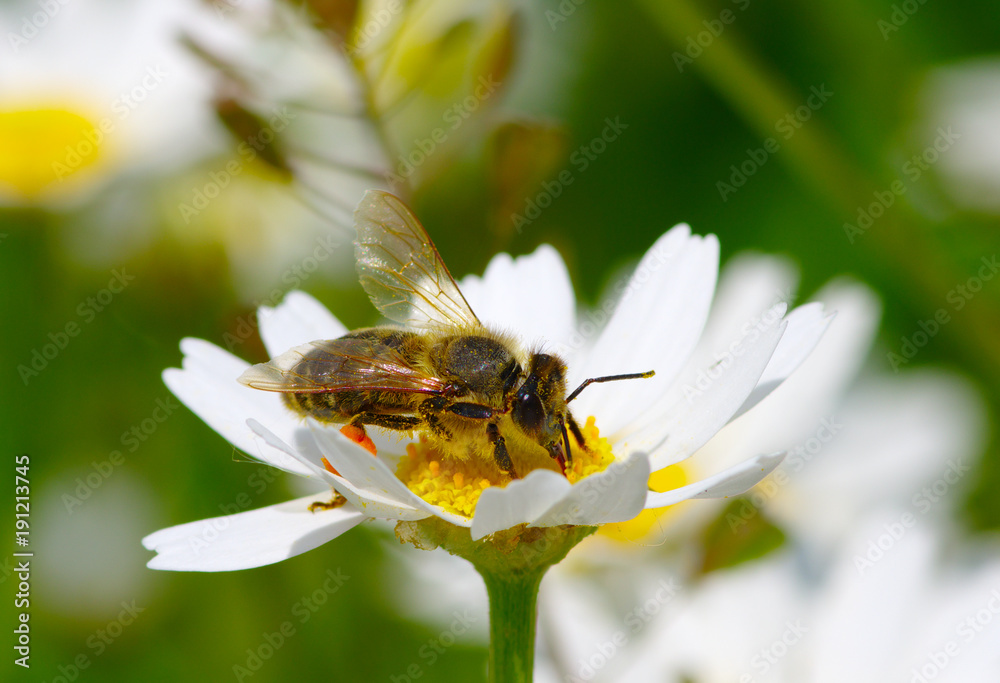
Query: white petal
column 702, row 402
column 249, row 539
column 806, row 325
column 531, row 296
column 890, row 439
column 519, row 502
column 730, row 482
column 432, row 587
column 373, row 482
column 792, row 414
column 615, row 495
column 748, row 284
column 207, row 385
column 655, row 326
column 844, row 347
column 298, row 319
column 304, row 451
column 373, row 506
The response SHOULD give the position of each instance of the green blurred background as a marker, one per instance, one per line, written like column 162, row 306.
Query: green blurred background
column 573, row 67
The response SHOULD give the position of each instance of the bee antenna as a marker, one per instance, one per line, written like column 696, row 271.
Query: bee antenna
column 610, row 378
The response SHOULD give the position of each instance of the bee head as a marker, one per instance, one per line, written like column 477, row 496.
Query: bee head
column 539, row 406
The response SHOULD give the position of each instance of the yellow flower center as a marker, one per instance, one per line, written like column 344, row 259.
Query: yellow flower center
column 639, row 527
column 455, row 485
column 40, row 148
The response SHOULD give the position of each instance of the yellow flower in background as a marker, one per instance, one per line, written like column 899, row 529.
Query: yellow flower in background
column 76, row 115
column 45, row 150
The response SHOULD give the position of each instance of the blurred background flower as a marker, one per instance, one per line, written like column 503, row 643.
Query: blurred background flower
column 165, row 168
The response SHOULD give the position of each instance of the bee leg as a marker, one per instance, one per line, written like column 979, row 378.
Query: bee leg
column 429, row 410
column 355, row 430
column 569, row 449
column 500, row 453
column 399, row 423
column 577, row 432
column 331, row 504
column 559, row 450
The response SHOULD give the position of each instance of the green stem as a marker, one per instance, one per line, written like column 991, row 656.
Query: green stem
column 513, row 613
column 763, row 97
column 512, row 563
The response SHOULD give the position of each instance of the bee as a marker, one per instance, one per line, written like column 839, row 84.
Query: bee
column 472, row 391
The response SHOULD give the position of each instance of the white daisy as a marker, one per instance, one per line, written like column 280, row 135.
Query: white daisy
column 856, row 440
column 910, row 617
column 846, row 430
column 94, row 92
column 650, row 424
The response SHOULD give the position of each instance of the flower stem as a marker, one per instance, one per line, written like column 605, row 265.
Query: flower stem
column 513, row 613
column 512, row 563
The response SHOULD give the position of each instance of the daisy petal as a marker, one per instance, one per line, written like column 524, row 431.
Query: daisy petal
column 506, row 297
column 702, row 402
column 614, row 495
column 207, row 385
column 371, row 505
column 310, row 457
column 748, row 284
column 249, row 539
column 298, row 319
column 730, row 482
column 676, row 279
column 519, row 502
column 806, row 325
column 372, row 479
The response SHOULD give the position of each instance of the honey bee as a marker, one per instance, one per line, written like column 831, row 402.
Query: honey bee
column 472, row 391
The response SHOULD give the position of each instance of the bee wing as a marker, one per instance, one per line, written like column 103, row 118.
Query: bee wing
column 401, row 269
column 338, row 365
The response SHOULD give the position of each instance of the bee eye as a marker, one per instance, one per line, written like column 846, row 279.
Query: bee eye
column 528, row 412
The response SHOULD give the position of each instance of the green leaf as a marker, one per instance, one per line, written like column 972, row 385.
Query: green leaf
column 741, row 533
